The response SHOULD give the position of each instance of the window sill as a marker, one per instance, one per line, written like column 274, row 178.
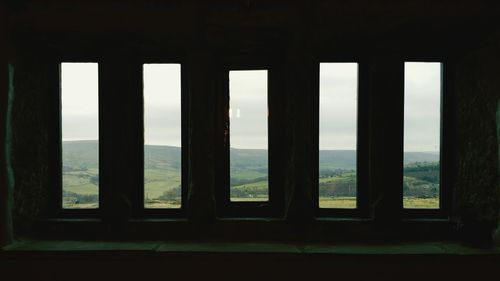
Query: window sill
column 324, row 230
column 151, row 260
column 158, row 247
column 426, row 248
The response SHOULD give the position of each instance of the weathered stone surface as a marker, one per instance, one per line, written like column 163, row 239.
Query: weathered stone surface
column 302, row 31
column 5, row 192
column 496, row 236
column 476, row 188
column 30, row 140
column 386, row 142
column 202, row 159
column 299, row 202
column 120, row 119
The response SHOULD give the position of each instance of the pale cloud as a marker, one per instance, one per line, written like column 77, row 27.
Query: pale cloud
column 422, row 106
column 162, row 104
column 338, row 106
column 79, row 101
column 248, row 103
column 248, row 100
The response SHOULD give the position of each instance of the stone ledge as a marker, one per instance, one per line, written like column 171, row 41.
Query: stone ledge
column 427, row 248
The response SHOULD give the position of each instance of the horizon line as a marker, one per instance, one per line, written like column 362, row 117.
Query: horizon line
column 412, row 151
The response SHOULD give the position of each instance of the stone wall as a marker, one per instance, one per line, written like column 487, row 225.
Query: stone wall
column 476, row 185
column 299, row 31
column 497, row 232
column 30, row 137
column 5, row 228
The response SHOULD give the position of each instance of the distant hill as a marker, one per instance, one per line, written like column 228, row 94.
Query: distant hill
column 248, row 172
column 160, row 155
column 337, row 159
column 412, row 157
column 77, row 153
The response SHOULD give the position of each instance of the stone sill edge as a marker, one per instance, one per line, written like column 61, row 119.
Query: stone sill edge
column 424, row 248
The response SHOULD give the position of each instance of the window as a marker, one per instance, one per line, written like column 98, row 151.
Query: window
column 248, row 132
column 338, row 135
column 422, row 132
column 248, row 136
column 162, row 136
column 274, row 131
column 259, row 148
column 80, row 135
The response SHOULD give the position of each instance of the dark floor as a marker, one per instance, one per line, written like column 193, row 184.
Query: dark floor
column 146, row 260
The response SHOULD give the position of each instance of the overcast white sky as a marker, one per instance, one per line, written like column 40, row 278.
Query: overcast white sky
column 162, row 104
column 422, row 106
column 248, row 102
column 338, row 97
column 248, row 109
column 79, row 84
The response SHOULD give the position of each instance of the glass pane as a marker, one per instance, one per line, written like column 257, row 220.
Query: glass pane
column 248, row 135
column 162, row 136
column 422, row 119
column 338, row 135
column 80, row 135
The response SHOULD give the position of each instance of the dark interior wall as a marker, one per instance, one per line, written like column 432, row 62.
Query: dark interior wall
column 298, row 32
column 476, row 186
column 5, row 235
column 337, row 24
column 497, row 232
column 30, row 137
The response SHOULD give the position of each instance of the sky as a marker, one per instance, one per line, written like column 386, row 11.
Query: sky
column 248, row 103
column 338, row 98
column 162, row 104
column 79, row 101
column 248, row 109
column 422, row 106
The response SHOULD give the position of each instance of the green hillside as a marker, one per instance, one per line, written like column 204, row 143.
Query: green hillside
column 248, row 173
column 76, row 153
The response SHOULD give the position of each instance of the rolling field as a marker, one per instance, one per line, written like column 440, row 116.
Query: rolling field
column 249, row 181
column 350, row 202
column 157, row 181
column 421, row 203
column 339, row 202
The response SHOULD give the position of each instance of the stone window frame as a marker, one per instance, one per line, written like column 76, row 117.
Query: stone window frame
column 362, row 145
column 297, row 212
column 367, row 185
column 274, row 206
column 109, row 198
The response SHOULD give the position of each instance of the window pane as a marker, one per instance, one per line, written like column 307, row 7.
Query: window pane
column 80, row 135
column 248, row 135
column 422, row 121
column 338, row 135
column 162, row 136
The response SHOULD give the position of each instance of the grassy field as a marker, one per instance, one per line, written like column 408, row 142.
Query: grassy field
column 350, row 202
column 338, row 202
column 78, row 181
column 421, row 203
column 70, row 205
column 150, row 204
column 158, row 181
column 248, row 177
column 246, row 174
column 344, row 177
column 253, row 199
column 162, row 204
